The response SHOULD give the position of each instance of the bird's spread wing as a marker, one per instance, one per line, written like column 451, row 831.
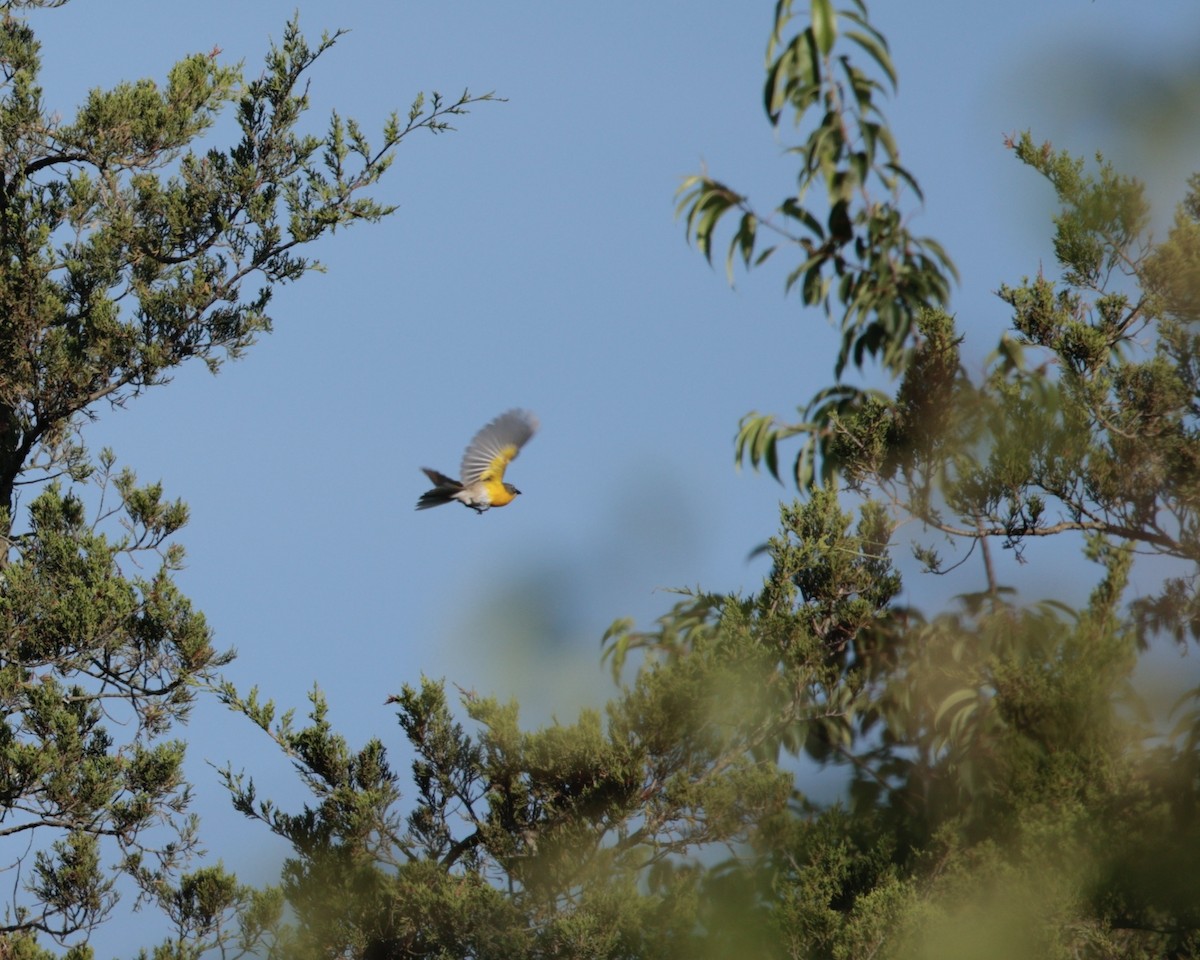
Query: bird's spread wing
column 497, row 445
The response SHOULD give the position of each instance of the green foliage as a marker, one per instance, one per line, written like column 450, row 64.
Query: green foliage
column 86, row 645
column 129, row 246
column 1013, row 733
column 526, row 842
column 855, row 251
column 855, row 246
column 587, row 839
column 1009, row 738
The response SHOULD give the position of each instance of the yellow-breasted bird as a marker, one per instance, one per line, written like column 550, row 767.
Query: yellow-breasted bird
column 490, row 451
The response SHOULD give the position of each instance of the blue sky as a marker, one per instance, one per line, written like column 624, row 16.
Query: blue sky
column 535, row 261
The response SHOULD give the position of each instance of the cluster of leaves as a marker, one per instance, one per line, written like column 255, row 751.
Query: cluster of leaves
column 1101, row 435
column 527, row 843
column 856, row 253
column 84, row 643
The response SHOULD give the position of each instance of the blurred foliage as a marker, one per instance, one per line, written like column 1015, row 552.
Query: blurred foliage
column 125, row 251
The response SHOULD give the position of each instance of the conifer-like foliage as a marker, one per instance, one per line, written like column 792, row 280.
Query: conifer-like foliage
column 130, row 245
column 1008, row 794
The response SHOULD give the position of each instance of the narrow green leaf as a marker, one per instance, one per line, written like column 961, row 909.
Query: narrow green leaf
column 804, row 464
column 814, row 262
column 792, row 209
column 794, row 77
column 824, row 25
column 907, row 177
column 876, row 48
column 742, row 243
column 889, row 142
column 764, row 254
column 956, row 699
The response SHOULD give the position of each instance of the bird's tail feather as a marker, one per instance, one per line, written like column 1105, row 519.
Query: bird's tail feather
column 440, row 479
column 443, row 492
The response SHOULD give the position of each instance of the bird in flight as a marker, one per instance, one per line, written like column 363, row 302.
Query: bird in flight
column 490, row 451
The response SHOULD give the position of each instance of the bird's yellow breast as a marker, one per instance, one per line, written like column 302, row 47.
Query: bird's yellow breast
column 498, row 495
